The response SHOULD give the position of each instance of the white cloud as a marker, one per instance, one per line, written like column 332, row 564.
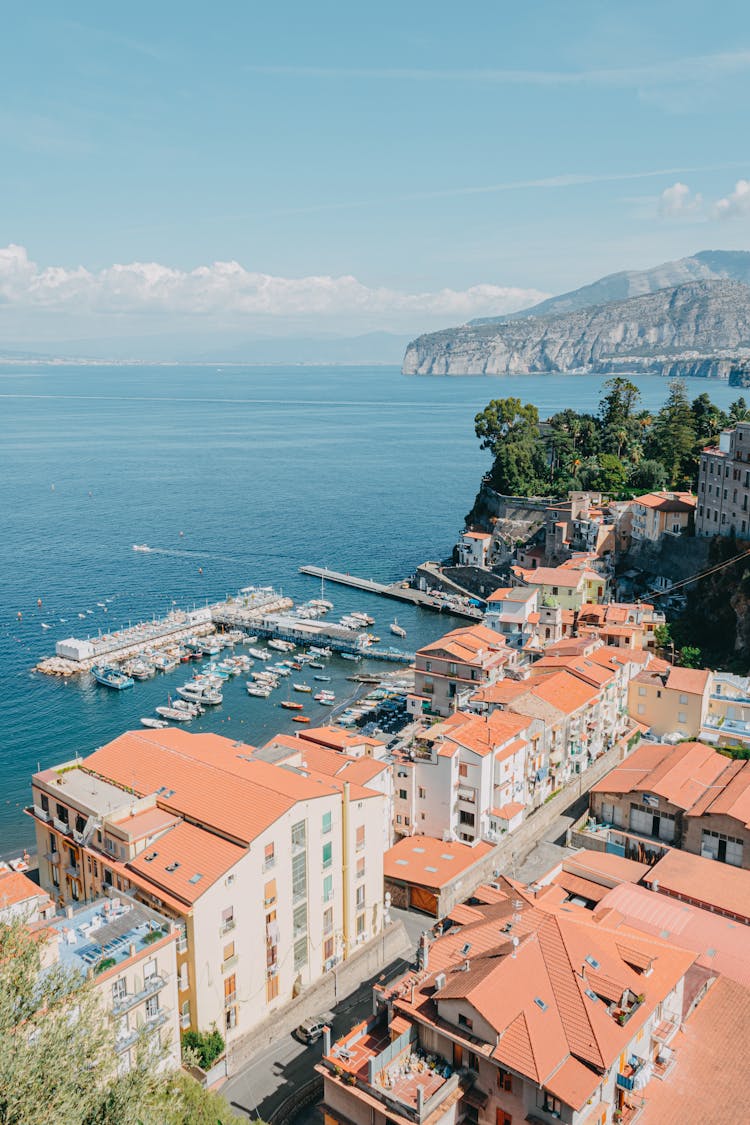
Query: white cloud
column 678, row 201
column 737, row 203
column 228, row 288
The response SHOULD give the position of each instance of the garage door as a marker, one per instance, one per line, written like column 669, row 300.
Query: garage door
column 420, row 899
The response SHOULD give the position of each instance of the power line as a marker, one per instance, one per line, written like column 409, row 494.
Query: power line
column 697, row 577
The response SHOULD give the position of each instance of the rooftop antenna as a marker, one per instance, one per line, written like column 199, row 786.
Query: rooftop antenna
column 515, row 943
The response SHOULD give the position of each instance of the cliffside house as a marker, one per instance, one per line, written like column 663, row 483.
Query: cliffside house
column 657, row 514
column 474, row 549
column 449, row 669
column 724, row 485
column 672, row 700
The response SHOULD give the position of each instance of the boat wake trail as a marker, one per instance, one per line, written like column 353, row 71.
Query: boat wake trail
column 194, row 555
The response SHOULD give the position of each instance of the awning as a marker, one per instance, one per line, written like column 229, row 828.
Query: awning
column 476, row 1097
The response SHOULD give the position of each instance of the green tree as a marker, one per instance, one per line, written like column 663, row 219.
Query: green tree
column 738, row 411
column 648, row 476
column 709, row 419
column 207, row 1045
column 57, row 1060
column 690, row 657
column 505, row 419
column 618, row 405
column 672, row 439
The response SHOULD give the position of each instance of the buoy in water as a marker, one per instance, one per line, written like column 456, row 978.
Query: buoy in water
column 200, row 570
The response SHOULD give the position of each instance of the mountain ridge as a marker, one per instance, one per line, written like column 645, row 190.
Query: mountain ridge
column 698, row 328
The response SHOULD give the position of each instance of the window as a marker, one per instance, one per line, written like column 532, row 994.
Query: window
column 683, row 699
column 53, row 843
column 328, row 949
column 402, row 794
column 359, row 842
column 299, row 921
column 230, row 1018
column 422, row 792
column 45, row 802
column 360, row 925
column 398, row 818
column 641, row 691
column 681, row 717
column 466, row 817
column 464, row 1021
column 228, row 952
column 641, row 709
column 326, row 823
column 269, row 892
column 269, row 856
column 299, row 836
column 452, row 669
column 428, row 665
column 503, row 1118
column 119, row 989
column 152, row 1007
column 361, row 868
column 327, row 854
column 227, row 919
column 505, row 1080
column 328, row 888
column 328, row 920
column 300, row 953
column 725, row 849
column 299, row 877
column 360, row 900
column 463, row 770
column 62, row 813
column 230, row 990
column 551, row 1105
column 272, row 988
column 406, row 822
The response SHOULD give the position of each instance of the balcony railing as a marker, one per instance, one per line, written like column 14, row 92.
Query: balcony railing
column 185, row 1020
column 151, row 986
column 61, row 826
column 52, row 857
column 72, row 871
column 40, row 813
column 125, row 1042
column 229, row 963
column 230, row 998
column 227, row 926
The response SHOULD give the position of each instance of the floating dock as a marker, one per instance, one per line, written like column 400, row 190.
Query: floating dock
column 397, row 590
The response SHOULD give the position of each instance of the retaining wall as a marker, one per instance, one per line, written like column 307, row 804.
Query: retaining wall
column 333, row 987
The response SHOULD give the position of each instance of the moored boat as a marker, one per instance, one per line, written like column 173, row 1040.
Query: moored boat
column 290, row 705
column 300, row 719
column 154, row 724
column 396, row 629
column 111, row 677
column 302, row 687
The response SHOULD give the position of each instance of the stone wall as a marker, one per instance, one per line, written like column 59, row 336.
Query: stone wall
column 674, row 558
column 365, row 962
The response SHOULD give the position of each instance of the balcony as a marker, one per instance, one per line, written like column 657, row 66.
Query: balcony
column 72, row 871
column 230, row 999
column 61, row 826
column 227, row 926
column 52, row 857
column 185, row 1021
column 41, row 814
column 154, row 984
column 125, row 1042
column 636, row 1075
column 182, row 945
column 229, row 963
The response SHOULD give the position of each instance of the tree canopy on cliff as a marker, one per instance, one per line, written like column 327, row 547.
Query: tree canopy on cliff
column 619, row 450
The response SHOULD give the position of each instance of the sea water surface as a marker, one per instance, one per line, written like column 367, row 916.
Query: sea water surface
column 233, row 476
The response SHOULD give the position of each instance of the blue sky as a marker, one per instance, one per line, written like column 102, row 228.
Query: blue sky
column 397, row 166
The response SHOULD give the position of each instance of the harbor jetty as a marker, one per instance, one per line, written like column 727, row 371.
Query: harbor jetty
column 399, row 591
column 76, row 655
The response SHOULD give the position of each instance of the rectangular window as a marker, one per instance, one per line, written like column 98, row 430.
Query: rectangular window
column 361, row 868
column 681, row 717
column 360, row 901
column 230, row 1019
column 359, row 841
column 327, row 854
column 272, row 987
column 299, row 921
column 328, row 920
column 230, row 990
column 299, row 877
column 402, row 794
column 422, row 793
column 119, row 989
column 229, row 951
column 463, row 770
column 464, row 1021
column 300, row 953
column 269, row 856
column 299, row 836
column 227, row 919
column 452, row 670
column 360, row 925
column 428, row 665
column 328, row 888
column 45, row 802
column 152, row 1007
column 269, row 892
column 505, row 1081
column 327, row 817
column 328, row 949
column 62, row 813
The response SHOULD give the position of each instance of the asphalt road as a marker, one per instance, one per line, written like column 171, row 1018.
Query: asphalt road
column 275, row 1072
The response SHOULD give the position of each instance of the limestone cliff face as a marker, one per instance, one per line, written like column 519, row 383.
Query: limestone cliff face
column 696, row 328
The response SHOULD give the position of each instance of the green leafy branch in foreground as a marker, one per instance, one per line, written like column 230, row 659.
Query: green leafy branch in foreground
column 57, row 1060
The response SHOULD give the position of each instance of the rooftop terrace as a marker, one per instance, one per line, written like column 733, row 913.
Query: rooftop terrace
column 107, row 930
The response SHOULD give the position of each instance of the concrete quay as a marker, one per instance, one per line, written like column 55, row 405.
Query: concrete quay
column 396, row 590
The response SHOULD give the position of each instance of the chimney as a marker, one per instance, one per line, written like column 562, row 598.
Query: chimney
column 326, row 1041
column 655, row 885
column 68, row 911
column 424, row 952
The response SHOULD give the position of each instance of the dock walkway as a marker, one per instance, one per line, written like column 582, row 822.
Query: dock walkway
column 395, row 590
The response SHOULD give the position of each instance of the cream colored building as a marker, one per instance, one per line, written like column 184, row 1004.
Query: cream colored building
column 242, row 854
column 671, row 701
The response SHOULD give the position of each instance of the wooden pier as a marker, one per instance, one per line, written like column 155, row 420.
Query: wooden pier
column 397, row 590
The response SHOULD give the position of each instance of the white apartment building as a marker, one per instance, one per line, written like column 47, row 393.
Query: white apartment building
column 465, row 778
column 724, row 485
column 513, row 612
column 240, row 853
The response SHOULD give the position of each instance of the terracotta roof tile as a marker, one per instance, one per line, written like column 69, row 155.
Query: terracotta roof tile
column 427, row 862
column 197, row 859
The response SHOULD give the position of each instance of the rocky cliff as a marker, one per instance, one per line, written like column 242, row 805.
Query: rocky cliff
column 695, row 328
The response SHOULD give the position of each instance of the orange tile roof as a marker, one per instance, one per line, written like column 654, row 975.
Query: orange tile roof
column 681, row 774
column 721, row 946
column 564, row 691
column 202, row 858
column 507, row 812
column 235, row 795
column 667, row 501
column 605, row 866
column 534, row 995
column 427, row 862
column 15, row 888
column 502, row 691
column 482, row 734
column 693, row 681
column 718, row 885
column 476, row 535
column 710, row 1081
column 146, row 823
column 336, row 738
column 552, row 576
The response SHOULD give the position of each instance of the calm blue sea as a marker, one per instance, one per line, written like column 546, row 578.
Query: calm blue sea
column 262, row 470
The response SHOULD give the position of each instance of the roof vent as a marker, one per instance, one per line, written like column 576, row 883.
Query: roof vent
column 592, row 961
column 465, row 948
column 591, row 995
column 150, row 857
column 172, row 866
column 540, row 1003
